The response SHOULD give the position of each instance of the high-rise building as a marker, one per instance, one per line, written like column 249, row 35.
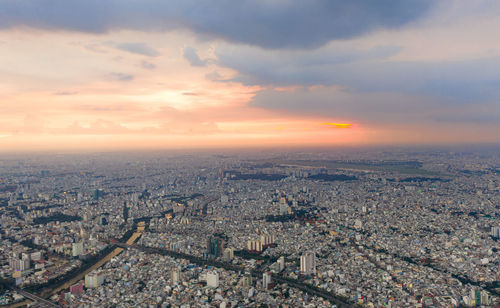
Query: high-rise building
column 266, row 240
column 77, row 249
column 495, row 232
column 308, row 263
column 36, row 256
column 228, row 254
column 246, row 281
column 255, row 245
column 266, row 280
column 19, row 265
column 251, row 292
column 76, row 289
column 475, row 295
column 103, row 220
column 213, row 279
column 475, row 298
column 281, row 263
column 94, row 279
column 485, row 299
column 284, row 209
column 125, row 211
column 175, row 275
column 97, row 194
column 283, row 200
column 467, row 301
column 215, row 247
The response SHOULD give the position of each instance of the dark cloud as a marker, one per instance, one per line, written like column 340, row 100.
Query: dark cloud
column 265, row 23
column 342, row 103
column 122, row 76
column 191, row 55
column 469, row 118
column 276, row 67
column 375, row 107
column 368, row 70
column 138, row 48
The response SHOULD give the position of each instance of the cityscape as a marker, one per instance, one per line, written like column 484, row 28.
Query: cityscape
column 249, row 153
column 327, row 228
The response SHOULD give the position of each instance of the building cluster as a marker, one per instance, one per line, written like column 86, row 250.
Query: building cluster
column 378, row 229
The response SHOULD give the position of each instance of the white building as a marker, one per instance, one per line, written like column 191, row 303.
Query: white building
column 266, row 280
column 485, row 299
column 175, row 275
column 495, row 232
column 308, row 263
column 281, row 263
column 213, row 279
column 94, row 279
column 266, row 240
column 255, row 245
column 36, row 256
column 77, row 249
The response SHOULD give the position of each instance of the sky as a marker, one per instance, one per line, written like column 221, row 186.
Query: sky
column 160, row 74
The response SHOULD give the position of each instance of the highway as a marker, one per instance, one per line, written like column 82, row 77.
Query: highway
column 43, row 303
column 39, row 302
column 200, row 261
column 97, row 265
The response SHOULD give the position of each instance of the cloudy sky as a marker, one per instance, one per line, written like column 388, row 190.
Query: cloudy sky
column 119, row 74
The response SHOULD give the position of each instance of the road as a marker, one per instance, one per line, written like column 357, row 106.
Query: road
column 200, row 261
column 208, row 200
column 39, row 302
column 100, row 263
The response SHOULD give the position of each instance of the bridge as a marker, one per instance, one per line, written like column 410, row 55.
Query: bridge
column 38, row 301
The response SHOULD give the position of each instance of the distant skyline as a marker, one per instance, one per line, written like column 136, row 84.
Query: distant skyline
column 125, row 74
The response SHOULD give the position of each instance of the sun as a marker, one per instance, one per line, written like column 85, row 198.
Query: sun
column 338, row 125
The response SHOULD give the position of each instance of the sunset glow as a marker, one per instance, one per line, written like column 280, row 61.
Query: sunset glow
column 339, row 125
column 146, row 84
